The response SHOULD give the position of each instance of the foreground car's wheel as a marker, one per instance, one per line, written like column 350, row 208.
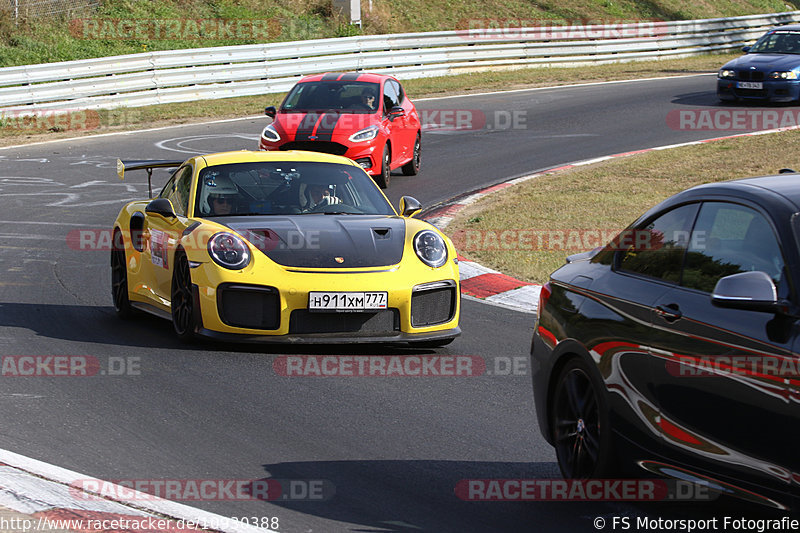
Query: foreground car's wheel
column 385, row 176
column 412, row 167
column 119, row 278
column 182, row 302
column 579, row 419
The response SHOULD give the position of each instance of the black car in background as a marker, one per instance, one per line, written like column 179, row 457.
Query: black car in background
column 679, row 342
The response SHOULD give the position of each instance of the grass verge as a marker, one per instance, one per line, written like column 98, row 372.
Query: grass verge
column 526, row 231
column 19, row 131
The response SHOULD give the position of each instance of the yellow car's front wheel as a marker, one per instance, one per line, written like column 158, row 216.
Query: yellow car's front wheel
column 182, row 299
column 119, row 279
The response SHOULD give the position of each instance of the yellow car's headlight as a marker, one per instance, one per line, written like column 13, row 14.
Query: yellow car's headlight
column 229, row 251
column 430, row 248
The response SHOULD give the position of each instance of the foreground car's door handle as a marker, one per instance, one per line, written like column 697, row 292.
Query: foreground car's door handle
column 670, row 312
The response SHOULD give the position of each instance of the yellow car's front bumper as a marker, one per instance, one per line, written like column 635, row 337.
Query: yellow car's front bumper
column 244, row 306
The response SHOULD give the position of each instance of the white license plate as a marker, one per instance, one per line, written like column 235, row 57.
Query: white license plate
column 749, row 85
column 347, row 301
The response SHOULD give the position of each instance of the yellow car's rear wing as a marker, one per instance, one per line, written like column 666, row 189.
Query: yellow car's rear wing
column 147, row 165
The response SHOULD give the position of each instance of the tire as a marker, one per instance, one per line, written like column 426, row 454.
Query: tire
column 412, row 167
column 581, row 431
column 385, row 176
column 119, row 278
column 182, row 300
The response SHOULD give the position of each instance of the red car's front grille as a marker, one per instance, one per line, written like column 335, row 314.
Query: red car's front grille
column 326, row 147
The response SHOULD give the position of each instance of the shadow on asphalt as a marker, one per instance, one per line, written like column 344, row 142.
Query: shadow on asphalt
column 99, row 324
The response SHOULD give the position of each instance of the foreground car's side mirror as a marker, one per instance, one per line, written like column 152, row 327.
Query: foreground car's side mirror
column 753, row 291
column 745, row 49
column 160, row 206
column 396, row 111
column 270, row 111
column 409, row 205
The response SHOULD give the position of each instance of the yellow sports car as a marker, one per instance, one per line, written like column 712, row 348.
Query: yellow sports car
column 283, row 246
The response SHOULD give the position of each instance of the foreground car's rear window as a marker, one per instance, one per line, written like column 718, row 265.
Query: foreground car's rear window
column 287, row 188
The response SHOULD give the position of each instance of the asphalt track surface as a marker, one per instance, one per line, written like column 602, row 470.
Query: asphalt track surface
column 393, row 448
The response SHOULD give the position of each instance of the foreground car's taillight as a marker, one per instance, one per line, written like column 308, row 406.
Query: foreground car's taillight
column 783, row 75
column 229, row 251
column 367, row 134
column 271, row 134
column 544, row 295
column 430, row 248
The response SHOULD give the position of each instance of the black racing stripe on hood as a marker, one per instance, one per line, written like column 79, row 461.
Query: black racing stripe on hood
column 306, row 127
column 331, row 76
column 326, row 125
column 350, row 76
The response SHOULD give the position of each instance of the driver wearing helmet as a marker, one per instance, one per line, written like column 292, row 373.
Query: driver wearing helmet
column 218, row 196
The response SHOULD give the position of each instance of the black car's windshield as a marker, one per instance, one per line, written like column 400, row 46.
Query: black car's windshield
column 287, row 188
column 339, row 96
column 778, row 42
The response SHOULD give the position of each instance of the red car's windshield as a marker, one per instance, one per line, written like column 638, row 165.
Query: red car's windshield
column 337, row 96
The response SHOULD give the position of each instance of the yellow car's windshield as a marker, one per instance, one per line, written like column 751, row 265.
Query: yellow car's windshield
column 287, row 188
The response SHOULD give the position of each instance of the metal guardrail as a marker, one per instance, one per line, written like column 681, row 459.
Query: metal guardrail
column 223, row 72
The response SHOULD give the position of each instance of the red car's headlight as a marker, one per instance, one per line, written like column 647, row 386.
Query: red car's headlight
column 271, row 134
column 367, row 134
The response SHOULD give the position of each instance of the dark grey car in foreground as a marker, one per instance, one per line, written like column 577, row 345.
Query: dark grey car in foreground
column 678, row 343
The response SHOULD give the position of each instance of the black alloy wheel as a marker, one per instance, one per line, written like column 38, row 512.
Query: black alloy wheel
column 182, row 301
column 119, row 278
column 579, row 420
column 412, row 167
column 385, row 176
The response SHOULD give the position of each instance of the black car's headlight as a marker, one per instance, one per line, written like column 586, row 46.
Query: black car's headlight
column 271, row 134
column 367, row 134
column 229, row 251
column 783, row 75
column 430, row 248
column 727, row 73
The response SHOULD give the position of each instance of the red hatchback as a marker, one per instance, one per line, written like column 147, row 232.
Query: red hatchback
column 366, row 117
